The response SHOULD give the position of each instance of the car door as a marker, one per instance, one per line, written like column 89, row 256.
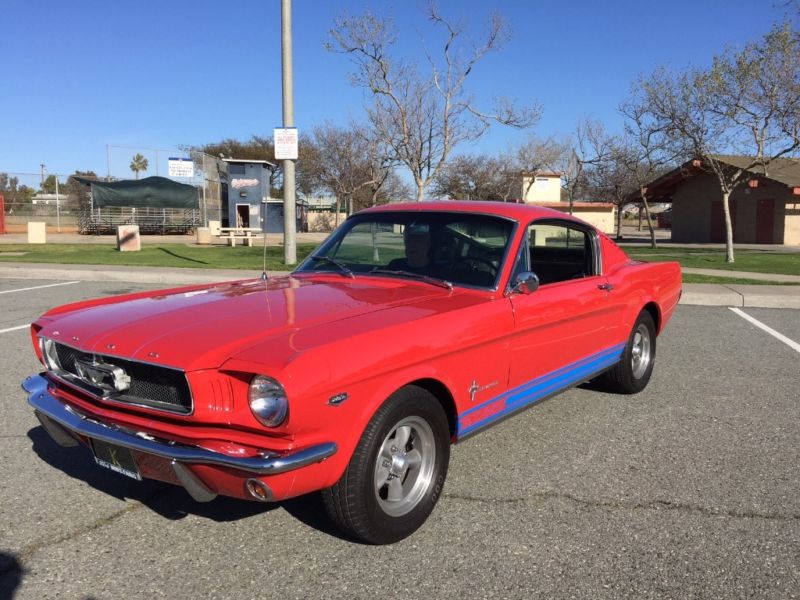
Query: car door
column 561, row 330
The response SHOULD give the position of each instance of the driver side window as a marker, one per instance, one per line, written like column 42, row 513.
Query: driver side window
column 556, row 252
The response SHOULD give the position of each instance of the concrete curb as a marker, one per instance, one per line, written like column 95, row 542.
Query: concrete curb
column 743, row 296
column 697, row 294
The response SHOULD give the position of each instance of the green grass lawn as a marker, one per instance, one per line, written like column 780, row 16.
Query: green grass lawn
column 239, row 257
column 756, row 261
column 162, row 255
column 692, row 278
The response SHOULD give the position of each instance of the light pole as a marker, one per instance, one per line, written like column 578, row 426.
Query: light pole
column 289, row 211
column 58, row 207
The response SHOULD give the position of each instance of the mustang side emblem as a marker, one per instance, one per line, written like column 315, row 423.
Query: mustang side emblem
column 337, row 399
column 107, row 377
column 475, row 388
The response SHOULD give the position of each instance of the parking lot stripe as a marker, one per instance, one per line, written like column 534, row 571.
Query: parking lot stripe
column 15, row 328
column 38, row 287
column 776, row 334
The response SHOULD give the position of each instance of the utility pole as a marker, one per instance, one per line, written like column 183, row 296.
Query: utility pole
column 58, row 206
column 43, row 170
column 289, row 211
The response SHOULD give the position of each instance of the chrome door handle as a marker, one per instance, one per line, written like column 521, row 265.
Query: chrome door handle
column 605, row 286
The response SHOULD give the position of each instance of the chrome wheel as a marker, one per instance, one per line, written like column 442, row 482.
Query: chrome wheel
column 640, row 351
column 404, row 466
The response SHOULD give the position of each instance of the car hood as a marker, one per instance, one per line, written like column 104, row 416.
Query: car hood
column 202, row 327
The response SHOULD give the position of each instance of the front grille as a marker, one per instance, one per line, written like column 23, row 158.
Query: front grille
column 150, row 385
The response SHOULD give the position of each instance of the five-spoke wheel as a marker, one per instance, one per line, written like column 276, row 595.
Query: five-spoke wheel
column 397, row 470
column 632, row 373
column 404, row 466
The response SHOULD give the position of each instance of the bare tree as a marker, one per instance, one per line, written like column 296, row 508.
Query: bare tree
column 605, row 168
column 476, row 177
column 341, row 162
column 384, row 185
column 589, row 148
column 423, row 117
column 646, row 153
column 748, row 102
column 352, row 164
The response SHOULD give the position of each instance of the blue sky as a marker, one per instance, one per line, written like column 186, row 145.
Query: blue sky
column 78, row 76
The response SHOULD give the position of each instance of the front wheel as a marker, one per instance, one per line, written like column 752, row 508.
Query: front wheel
column 631, row 374
column 397, row 471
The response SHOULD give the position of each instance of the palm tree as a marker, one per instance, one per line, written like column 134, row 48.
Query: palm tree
column 139, row 163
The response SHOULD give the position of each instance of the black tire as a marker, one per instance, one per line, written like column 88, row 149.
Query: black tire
column 629, row 376
column 359, row 505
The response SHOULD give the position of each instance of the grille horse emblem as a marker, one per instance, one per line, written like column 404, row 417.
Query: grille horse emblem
column 109, row 378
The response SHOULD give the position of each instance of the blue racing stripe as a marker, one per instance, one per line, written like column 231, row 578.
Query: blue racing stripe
column 545, row 385
column 613, row 351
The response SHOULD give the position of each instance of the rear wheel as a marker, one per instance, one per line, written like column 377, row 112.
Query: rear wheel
column 397, row 471
column 631, row 374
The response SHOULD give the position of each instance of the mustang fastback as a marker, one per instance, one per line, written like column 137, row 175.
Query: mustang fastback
column 411, row 328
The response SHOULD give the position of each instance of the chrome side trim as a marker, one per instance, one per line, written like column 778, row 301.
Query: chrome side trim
column 45, row 404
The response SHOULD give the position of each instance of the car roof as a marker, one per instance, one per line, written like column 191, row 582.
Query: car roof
column 512, row 210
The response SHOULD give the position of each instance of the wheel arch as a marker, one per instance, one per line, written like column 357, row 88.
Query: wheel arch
column 442, row 394
column 655, row 311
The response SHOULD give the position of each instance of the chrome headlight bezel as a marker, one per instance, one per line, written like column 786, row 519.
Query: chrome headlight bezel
column 49, row 354
column 267, row 400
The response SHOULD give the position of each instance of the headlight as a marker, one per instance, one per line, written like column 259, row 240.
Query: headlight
column 268, row 401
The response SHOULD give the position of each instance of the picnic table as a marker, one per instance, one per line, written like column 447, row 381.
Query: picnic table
column 246, row 234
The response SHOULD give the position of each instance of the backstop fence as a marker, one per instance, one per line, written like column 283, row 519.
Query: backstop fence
column 65, row 205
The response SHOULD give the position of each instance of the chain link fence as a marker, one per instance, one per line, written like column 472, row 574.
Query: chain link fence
column 207, row 172
column 66, row 205
column 38, row 197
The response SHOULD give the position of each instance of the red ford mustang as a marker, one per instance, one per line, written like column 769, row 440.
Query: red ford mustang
column 410, row 328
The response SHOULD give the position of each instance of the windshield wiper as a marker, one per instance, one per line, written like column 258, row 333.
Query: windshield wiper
column 426, row 278
column 345, row 271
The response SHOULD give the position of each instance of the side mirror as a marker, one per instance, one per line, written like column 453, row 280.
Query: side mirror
column 526, row 283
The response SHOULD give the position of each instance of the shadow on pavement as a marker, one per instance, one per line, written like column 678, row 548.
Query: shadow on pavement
column 11, row 573
column 169, row 501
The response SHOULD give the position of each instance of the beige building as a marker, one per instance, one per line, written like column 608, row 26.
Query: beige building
column 764, row 210
column 544, row 189
column 536, row 188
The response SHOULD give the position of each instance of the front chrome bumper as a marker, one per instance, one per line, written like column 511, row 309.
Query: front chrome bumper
column 63, row 422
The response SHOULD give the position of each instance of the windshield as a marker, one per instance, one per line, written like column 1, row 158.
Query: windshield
column 452, row 248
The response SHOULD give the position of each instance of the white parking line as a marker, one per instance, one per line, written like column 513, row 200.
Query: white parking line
column 38, row 287
column 15, row 328
column 776, row 334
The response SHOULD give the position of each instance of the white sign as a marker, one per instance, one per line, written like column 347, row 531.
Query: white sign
column 238, row 184
column 180, row 167
column 286, row 143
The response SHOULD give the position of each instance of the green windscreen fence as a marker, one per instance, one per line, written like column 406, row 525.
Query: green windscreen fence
column 152, row 192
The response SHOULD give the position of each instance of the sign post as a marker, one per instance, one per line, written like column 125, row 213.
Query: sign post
column 289, row 217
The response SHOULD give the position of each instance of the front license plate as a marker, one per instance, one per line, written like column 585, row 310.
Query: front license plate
column 116, row 458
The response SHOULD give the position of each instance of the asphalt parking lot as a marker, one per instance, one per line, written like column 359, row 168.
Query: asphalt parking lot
column 689, row 489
